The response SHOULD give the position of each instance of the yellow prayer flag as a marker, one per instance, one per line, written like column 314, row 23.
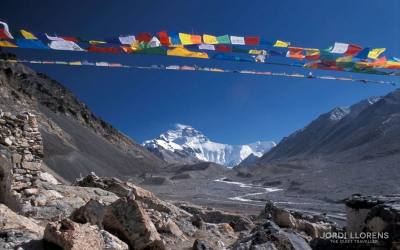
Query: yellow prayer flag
column 7, row 44
column 28, row 35
column 96, row 42
column 186, row 53
column 208, row 39
column 374, row 53
column 257, row 52
column 186, row 39
column 344, row 59
column 281, row 44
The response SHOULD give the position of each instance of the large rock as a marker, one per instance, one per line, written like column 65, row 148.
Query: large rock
column 73, row 236
column 379, row 214
column 18, row 231
column 128, row 220
column 314, row 226
column 238, row 222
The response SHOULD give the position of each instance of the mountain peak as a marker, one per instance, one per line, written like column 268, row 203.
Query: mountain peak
column 187, row 142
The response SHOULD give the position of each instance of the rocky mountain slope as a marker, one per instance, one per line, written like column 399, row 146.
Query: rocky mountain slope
column 345, row 151
column 367, row 130
column 76, row 141
column 186, row 144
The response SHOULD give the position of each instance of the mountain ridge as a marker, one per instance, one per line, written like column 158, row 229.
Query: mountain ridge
column 186, row 144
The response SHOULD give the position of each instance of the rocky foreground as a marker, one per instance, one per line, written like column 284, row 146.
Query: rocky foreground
column 40, row 212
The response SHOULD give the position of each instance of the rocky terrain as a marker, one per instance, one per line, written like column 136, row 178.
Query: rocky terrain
column 185, row 144
column 38, row 211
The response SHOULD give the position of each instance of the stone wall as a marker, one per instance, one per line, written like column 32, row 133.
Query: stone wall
column 20, row 136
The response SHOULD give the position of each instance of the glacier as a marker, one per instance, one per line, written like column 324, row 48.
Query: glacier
column 184, row 141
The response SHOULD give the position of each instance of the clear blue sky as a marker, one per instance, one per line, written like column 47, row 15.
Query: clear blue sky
column 227, row 108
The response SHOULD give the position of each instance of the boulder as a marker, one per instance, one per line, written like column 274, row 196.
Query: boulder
column 112, row 243
column 18, row 231
column 238, row 222
column 201, row 245
column 73, row 236
column 129, row 221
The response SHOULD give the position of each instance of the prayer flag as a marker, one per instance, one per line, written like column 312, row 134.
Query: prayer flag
column 4, row 32
column 144, row 37
column 363, row 54
column 71, row 39
column 31, row 44
column 312, row 54
column 238, row 40
column 223, row 39
column 28, row 35
column 353, row 50
column 206, row 47
column 281, row 44
column 295, row 53
column 186, row 53
column 163, row 37
column 96, row 49
column 154, row 42
column 128, row 40
column 7, row 44
column 252, row 40
column 340, row 48
column 175, row 38
column 65, row 45
column 185, row 38
column 223, row 48
column 196, row 39
column 374, row 53
column 208, row 39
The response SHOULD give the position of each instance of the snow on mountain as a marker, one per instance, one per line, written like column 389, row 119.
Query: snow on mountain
column 186, row 144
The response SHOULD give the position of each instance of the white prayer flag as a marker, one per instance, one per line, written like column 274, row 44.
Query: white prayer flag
column 207, row 46
column 238, row 40
column 65, row 45
column 340, row 48
column 154, row 42
column 127, row 39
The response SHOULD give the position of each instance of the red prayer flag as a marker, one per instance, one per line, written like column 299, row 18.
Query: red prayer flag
column 104, row 50
column 352, row 50
column 252, row 40
column 164, row 38
column 3, row 34
column 69, row 38
column 223, row 48
column 295, row 53
column 143, row 37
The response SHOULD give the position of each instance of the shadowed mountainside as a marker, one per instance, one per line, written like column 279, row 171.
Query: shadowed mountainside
column 76, row 141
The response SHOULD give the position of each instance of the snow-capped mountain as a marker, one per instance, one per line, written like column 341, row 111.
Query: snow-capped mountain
column 184, row 144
